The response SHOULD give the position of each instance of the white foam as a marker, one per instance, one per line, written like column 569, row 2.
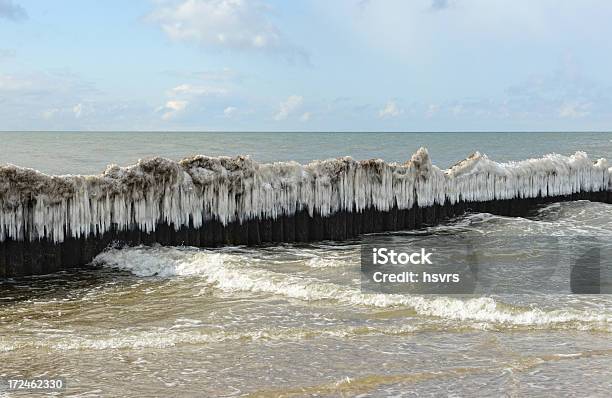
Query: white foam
column 234, row 274
column 35, row 205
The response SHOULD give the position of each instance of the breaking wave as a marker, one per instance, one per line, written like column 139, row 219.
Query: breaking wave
column 236, row 273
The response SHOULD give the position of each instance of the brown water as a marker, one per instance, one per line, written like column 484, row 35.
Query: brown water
column 292, row 321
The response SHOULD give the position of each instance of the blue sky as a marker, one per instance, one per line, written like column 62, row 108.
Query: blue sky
column 359, row 65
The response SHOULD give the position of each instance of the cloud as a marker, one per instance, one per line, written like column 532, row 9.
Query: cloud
column 83, row 110
column 57, row 84
column 50, row 113
column 229, row 111
column 566, row 94
column 12, row 11
column 457, row 109
column 390, row 110
column 31, row 98
column 77, row 110
column 574, row 110
column 62, row 100
column 225, row 24
column 173, row 108
column 224, row 75
column 190, row 90
column 184, row 95
column 432, row 109
column 288, row 106
column 305, row 116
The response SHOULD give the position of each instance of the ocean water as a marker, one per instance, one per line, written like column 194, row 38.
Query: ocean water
column 91, row 152
column 291, row 320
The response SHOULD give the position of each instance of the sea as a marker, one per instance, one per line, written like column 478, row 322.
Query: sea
column 291, row 320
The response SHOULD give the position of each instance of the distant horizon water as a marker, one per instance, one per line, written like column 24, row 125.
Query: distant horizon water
column 70, row 152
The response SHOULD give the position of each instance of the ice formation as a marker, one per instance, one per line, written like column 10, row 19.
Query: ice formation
column 34, row 205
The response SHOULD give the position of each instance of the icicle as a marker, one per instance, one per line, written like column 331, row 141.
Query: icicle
column 34, row 205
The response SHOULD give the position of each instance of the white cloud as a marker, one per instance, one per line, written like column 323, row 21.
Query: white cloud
column 225, row 24
column 237, row 24
column 432, row 109
column 184, row 95
column 224, row 75
column 173, row 108
column 77, row 110
column 49, row 113
column 189, row 90
column 11, row 10
column 229, row 111
column 82, row 110
column 390, row 110
column 574, row 110
column 288, row 106
column 305, row 116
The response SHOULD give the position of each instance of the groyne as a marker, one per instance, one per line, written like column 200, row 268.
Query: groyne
column 48, row 223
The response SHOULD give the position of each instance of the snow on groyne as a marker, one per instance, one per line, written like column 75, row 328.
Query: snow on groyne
column 50, row 222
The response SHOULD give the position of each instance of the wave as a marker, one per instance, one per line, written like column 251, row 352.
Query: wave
column 169, row 337
column 576, row 219
column 34, row 205
column 234, row 273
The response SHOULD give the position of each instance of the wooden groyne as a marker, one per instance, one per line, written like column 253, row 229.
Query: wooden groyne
column 49, row 223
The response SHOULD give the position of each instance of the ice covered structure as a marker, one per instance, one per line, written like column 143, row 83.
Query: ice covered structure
column 194, row 190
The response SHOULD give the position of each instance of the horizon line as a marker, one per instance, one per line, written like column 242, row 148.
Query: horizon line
column 312, row 131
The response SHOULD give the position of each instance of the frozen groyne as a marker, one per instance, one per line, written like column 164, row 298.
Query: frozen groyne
column 53, row 222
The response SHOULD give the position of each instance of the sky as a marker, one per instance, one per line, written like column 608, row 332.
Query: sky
column 319, row 65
